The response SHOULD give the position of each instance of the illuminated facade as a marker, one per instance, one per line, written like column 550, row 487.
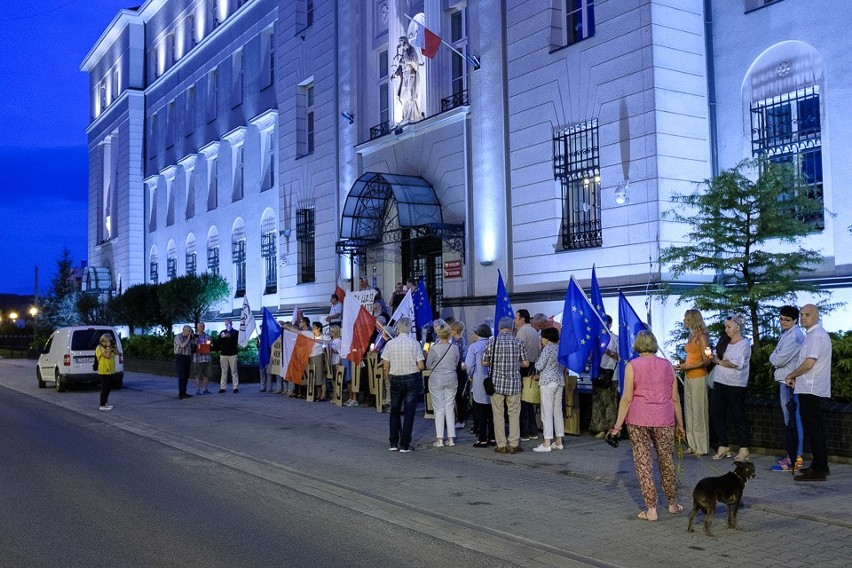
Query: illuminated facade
column 544, row 136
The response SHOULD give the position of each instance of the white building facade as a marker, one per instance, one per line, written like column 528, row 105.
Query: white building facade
column 302, row 141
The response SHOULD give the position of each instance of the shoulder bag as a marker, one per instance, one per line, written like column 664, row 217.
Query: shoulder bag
column 488, row 382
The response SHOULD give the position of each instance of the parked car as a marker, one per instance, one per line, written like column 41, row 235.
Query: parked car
column 69, row 354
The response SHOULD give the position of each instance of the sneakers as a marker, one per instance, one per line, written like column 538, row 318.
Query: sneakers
column 105, row 407
column 557, row 446
column 542, row 448
column 451, row 442
column 221, row 391
column 459, row 425
column 525, row 438
column 438, row 444
column 351, row 403
column 406, row 450
column 742, row 455
column 393, row 449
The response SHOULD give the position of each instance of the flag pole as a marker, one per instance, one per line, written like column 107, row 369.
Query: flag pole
column 471, row 59
column 597, row 315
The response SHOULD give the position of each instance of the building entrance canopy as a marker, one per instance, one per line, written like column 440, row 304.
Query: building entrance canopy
column 362, row 224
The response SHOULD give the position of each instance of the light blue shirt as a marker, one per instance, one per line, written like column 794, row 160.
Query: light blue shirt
column 785, row 358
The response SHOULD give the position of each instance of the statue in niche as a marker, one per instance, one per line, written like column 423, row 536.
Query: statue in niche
column 407, row 70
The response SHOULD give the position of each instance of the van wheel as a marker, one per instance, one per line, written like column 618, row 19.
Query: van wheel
column 41, row 383
column 60, row 386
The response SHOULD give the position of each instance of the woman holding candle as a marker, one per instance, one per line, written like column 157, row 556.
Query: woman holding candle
column 695, row 386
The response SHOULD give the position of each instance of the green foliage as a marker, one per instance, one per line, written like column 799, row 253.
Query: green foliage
column 745, row 233
column 137, row 307
column 148, row 347
column 191, row 297
column 93, row 311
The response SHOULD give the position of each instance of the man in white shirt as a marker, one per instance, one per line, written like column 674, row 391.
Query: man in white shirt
column 811, row 381
column 335, row 315
column 403, row 361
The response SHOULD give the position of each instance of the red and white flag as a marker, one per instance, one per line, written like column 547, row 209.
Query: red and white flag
column 295, row 351
column 340, row 290
column 356, row 329
column 427, row 40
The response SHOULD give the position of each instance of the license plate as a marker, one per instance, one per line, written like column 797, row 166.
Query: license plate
column 84, row 359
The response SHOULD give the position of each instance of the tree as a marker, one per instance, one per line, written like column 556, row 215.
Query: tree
column 746, row 233
column 137, row 307
column 59, row 307
column 191, row 297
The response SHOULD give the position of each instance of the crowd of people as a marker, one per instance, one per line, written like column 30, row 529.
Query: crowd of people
column 511, row 382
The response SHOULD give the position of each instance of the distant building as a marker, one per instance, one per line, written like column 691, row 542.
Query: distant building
column 286, row 144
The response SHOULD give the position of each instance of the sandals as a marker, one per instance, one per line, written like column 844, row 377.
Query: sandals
column 677, row 509
column 722, row 453
column 644, row 516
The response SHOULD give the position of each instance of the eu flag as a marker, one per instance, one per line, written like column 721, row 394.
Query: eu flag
column 269, row 332
column 581, row 329
column 504, row 306
column 603, row 339
column 629, row 325
column 422, row 305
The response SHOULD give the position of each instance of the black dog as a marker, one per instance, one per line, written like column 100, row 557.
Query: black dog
column 727, row 489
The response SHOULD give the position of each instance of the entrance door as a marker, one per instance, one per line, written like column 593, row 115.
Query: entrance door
column 422, row 258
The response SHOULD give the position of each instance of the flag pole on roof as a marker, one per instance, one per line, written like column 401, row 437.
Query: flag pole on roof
column 431, row 36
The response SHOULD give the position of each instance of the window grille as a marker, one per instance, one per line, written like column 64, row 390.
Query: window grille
column 268, row 253
column 154, row 272
column 576, row 164
column 171, row 268
column 305, row 235
column 238, row 253
column 787, row 129
column 191, row 262
column 213, row 260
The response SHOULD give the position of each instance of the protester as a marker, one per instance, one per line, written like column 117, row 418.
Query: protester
column 483, row 421
column 105, row 354
column 335, row 314
column 532, row 343
column 183, row 359
column 695, row 384
column 552, row 384
column 442, row 361
column 650, row 406
column 228, row 347
column 462, row 392
column 317, row 361
column 267, row 380
column 784, row 359
column 403, row 361
column 605, row 398
column 812, row 383
column 730, row 379
column 202, row 360
column 505, row 355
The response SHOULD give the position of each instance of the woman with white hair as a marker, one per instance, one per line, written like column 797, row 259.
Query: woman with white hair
column 730, row 379
column 442, row 361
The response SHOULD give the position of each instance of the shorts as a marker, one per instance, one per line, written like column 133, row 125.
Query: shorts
column 201, row 369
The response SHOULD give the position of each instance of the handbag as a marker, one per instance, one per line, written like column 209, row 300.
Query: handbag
column 531, row 391
column 488, row 382
column 709, row 377
column 604, row 379
column 95, row 364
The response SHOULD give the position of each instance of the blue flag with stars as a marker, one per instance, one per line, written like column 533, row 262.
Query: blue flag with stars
column 581, row 328
column 422, row 305
column 603, row 338
column 629, row 325
column 504, row 306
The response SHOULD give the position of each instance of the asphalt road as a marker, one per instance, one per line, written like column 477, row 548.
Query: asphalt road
column 79, row 492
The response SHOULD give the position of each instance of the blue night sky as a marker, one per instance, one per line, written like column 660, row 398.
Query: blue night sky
column 44, row 111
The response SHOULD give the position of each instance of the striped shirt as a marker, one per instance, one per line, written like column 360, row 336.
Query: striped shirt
column 183, row 345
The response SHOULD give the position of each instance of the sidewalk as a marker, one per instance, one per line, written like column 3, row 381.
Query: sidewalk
column 572, row 507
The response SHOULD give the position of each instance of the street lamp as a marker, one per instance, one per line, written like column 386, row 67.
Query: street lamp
column 33, row 311
column 13, row 316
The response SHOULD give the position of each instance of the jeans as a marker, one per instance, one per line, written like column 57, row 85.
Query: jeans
column 814, row 430
column 405, row 389
column 726, row 397
column 785, row 393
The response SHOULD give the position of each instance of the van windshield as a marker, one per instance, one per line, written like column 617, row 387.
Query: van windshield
column 87, row 339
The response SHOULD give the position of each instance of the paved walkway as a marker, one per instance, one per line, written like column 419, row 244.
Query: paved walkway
column 574, row 507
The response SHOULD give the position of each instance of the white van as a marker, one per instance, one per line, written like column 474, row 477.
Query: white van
column 68, row 356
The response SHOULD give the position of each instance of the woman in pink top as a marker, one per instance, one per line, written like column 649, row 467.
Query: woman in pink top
column 650, row 405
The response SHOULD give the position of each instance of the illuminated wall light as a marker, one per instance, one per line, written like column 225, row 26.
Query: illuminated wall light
column 621, row 196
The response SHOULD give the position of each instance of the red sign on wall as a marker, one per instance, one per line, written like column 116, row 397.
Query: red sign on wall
column 453, row 269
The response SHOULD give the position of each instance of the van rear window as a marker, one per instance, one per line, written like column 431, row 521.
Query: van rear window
column 87, row 339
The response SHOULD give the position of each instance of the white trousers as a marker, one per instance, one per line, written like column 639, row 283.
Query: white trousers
column 551, row 411
column 444, row 406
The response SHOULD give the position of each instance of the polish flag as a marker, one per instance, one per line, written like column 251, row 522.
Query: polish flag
column 295, row 351
column 340, row 290
column 356, row 330
column 428, row 41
